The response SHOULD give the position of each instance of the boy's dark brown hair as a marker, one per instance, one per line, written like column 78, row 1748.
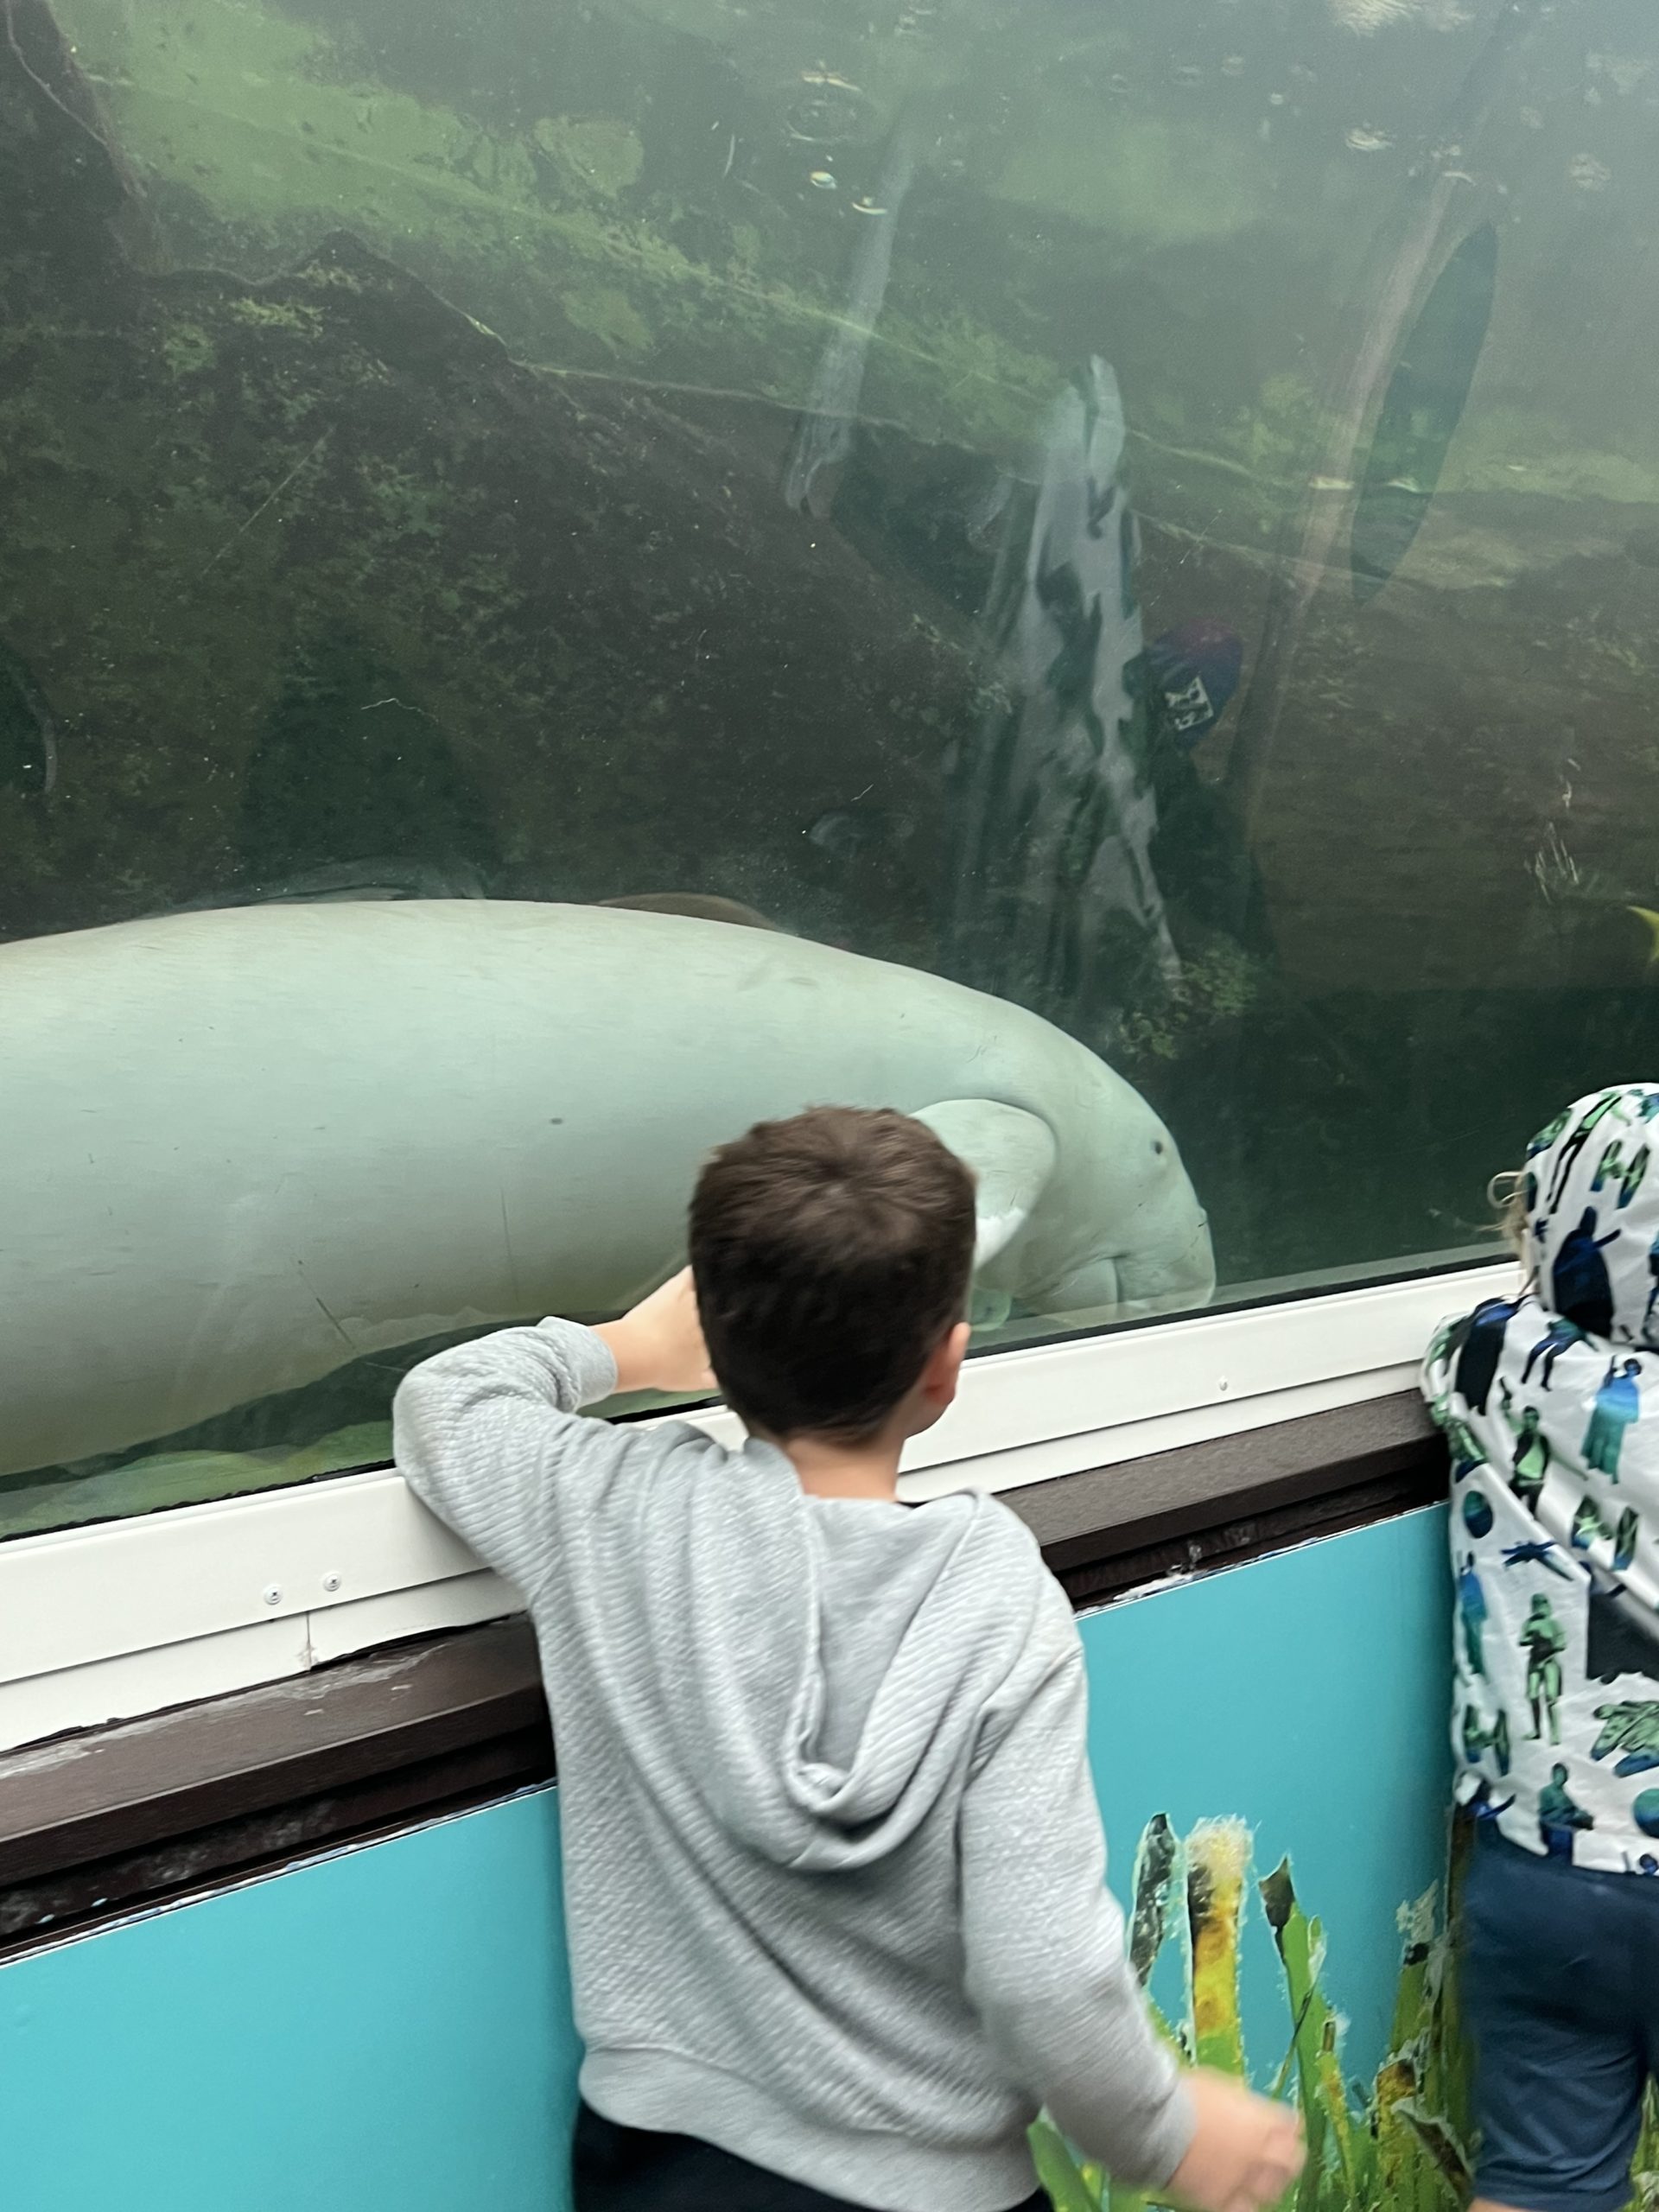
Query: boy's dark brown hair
column 831, row 1252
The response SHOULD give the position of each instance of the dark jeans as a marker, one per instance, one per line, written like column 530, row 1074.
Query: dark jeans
column 1560, row 1986
column 626, row 2170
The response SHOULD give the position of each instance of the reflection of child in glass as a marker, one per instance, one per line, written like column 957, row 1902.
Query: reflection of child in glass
column 1556, row 1702
column 833, row 1866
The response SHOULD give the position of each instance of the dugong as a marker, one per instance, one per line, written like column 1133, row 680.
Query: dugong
column 246, row 1147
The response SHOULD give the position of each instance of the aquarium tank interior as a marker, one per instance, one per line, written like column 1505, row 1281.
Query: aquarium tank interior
column 1147, row 510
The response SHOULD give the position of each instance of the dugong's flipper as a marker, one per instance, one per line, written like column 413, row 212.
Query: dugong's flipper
column 1012, row 1154
column 697, row 906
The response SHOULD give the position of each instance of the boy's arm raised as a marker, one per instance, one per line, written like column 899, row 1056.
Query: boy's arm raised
column 489, row 1433
column 1048, row 1971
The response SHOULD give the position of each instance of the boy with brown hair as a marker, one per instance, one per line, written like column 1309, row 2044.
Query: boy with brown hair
column 833, row 1866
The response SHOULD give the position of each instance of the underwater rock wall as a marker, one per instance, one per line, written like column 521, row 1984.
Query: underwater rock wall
column 402, row 419
column 310, row 570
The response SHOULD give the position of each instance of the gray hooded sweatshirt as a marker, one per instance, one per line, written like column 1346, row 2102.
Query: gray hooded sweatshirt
column 833, row 1866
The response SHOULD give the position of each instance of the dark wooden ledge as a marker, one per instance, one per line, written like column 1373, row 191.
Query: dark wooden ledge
column 96, row 1826
column 1113, row 1529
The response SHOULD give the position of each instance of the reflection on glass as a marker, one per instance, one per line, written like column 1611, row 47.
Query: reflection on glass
column 536, row 537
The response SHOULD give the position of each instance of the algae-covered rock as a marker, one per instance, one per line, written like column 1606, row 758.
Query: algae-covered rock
column 310, row 569
column 595, row 151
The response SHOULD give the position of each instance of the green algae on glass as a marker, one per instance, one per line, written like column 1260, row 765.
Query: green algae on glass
column 30, row 1503
column 257, row 136
column 609, row 315
column 1166, row 183
column 257, row 130
column 597, row 151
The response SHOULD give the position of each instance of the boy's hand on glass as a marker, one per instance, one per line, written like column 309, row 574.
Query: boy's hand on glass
column 1246, row 2151
column 658, row 1345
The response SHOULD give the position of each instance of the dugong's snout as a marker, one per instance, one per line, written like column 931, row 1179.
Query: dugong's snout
column 1168, row 1270
column 1169, row 1276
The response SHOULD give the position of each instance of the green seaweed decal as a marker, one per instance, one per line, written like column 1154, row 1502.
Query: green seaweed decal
column 1403, row 2145
column 1400, row 2144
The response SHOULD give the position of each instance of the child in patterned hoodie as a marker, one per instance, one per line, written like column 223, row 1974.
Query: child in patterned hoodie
column 1554, row 1530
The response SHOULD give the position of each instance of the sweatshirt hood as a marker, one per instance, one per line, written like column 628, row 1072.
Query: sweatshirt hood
column 1592, row 1197
column 826, row 1737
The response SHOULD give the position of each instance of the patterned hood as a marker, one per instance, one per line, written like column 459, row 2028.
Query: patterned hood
column 1593, row 1214
column 1550, row 1402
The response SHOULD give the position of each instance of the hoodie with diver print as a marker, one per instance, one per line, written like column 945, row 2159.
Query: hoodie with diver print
column 1550, row 1402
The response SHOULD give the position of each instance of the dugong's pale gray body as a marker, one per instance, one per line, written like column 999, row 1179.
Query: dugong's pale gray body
column 244, row 1147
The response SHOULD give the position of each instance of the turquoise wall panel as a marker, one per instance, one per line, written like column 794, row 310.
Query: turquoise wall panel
column 385, row 2032
column 1307, row 1696
column 389, row 2031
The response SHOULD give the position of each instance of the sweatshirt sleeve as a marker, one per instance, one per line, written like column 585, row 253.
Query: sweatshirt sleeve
column 489, row 1435
column 1046, row 1967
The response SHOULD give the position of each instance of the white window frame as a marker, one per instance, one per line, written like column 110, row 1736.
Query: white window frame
column 127, row 1617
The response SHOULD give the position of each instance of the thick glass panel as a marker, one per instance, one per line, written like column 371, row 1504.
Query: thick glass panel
column 1150, row 512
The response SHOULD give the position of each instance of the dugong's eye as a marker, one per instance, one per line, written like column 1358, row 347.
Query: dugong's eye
column 1160, row 1147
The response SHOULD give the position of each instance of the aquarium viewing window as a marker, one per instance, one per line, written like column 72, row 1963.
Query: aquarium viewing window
column 575, row 577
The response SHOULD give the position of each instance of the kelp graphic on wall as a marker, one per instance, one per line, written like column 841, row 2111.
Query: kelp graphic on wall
column 1400, row 2144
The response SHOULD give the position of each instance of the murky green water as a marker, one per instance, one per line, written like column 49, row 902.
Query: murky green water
column 1151, row 511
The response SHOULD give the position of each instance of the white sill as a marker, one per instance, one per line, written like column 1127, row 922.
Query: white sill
column 104, row 1623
